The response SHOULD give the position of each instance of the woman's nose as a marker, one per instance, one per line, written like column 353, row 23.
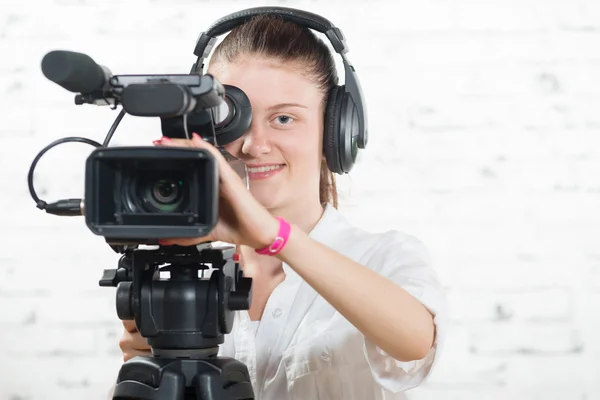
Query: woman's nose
column 256, row 142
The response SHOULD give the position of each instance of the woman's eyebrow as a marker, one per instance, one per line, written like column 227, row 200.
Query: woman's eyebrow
column 285, row 105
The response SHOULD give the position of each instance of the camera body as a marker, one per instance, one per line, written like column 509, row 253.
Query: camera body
column 136, row 195
column 139, row 194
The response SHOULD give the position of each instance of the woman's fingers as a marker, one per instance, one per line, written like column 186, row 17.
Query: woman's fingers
column 246, row 260
column 165, row 141
column 226, row 172
column 198, row 142
column 129, row 326
column 132, row 343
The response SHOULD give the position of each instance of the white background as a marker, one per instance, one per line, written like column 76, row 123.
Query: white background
column 485, row 131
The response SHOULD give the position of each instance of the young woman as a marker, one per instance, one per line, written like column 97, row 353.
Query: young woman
column 336, row 313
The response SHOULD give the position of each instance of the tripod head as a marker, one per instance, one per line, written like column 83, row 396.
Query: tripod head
column 162, row 290
column 182, row 300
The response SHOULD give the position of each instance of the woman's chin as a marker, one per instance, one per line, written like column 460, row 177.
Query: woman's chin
column 267, row 198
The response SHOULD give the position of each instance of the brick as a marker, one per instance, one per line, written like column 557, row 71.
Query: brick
column 541, row 189
column 18, row 311
column 484, row 49
column 588, row 321
column 479, row 371
column 499, row 394
column 515, row 272
column 541, row 374
column 79, row 309
column 555, row 339
column 455, row 112
column 492, row 17
column 18, row 122
column 66, row 378
column 594, row 271
column 551, row 304
column 45, row 341
column 55, row 269
column 92, row 122
column 474, row 373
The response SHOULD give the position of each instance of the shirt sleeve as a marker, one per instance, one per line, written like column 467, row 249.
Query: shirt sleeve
column 406, row 261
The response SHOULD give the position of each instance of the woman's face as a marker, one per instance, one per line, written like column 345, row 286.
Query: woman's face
column 283, row 147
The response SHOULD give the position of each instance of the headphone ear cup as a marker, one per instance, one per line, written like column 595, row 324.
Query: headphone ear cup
column 332, row 130
column 348, row 131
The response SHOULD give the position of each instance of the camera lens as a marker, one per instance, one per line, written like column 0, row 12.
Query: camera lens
column 165, row 191
column 157, row 193
column 164, row 194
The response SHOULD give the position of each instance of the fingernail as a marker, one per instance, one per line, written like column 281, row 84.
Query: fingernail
column 236, row 257
column 165, row 139
column 196, row 136
column 156, row 142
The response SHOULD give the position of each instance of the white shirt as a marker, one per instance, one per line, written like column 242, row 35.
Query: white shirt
column 304, row 349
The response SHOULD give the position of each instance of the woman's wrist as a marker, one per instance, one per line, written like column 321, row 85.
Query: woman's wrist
column 277, row 237
column 269, row 233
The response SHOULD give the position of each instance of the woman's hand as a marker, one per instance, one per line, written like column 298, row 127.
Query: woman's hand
column 242, row 219
column 132, row 343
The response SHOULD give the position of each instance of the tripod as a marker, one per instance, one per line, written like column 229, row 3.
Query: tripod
column 183, row 318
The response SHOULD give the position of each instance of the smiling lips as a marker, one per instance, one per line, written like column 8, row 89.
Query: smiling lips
column 264, row 171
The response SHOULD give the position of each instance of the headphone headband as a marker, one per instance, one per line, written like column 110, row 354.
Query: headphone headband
column 207, row 39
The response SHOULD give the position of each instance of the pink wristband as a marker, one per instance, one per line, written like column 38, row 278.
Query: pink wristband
column 280, row 240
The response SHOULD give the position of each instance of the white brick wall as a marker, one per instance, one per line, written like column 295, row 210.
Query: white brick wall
column 485, row 117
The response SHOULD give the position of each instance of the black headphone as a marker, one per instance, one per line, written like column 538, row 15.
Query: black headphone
column 345, row 129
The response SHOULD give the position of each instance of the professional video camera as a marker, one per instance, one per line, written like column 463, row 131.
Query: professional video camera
column 135, row 196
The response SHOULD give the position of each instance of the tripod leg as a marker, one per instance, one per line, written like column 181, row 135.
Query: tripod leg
column 209, row 386
column 143, row 379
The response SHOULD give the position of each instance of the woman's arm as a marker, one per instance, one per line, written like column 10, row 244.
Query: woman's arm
column 384, row 312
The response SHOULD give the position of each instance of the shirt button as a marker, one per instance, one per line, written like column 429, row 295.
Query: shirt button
column 326, row 356
column 277, row 313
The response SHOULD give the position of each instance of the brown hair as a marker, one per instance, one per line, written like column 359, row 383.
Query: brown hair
column 273, row 37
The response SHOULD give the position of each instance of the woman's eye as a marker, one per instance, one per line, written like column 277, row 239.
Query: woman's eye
column 284, row 119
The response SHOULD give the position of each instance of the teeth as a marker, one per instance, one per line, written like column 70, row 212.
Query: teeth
column 264, row 169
